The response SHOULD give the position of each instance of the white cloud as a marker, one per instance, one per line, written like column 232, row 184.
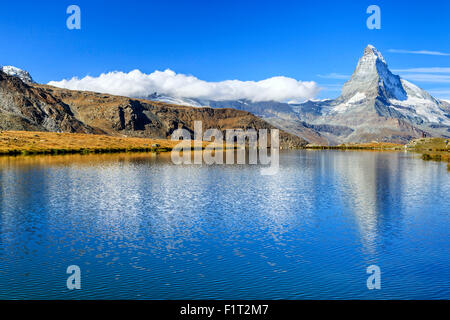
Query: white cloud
column 425, row 77
column 138, row 84
column 427, row 52
column 425, row 70
column 441, row 93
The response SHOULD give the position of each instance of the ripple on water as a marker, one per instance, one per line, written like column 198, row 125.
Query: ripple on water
column 142, row 228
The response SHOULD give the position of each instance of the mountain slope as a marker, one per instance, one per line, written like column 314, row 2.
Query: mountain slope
column 24, row 107
column 33, row 107
column 117, row 115
column 280, row 115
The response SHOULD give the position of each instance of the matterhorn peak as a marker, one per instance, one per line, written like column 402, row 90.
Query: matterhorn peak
column 373, row 52
column 373, row 78
column 16, row 72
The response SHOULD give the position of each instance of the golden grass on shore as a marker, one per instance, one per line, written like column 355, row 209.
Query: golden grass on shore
column 431, row 148
column 51, row 143
column 24, row 142
column 34, row 143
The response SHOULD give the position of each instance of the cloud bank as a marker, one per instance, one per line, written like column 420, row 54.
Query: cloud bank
column 138, row 84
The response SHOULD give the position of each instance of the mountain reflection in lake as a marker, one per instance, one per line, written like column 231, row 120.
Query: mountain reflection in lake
column 140, row 227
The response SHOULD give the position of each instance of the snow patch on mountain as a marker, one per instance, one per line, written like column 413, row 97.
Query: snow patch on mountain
column 376, row 53
column 343, row 107
column 174, row 100
column 16, row 72
column 357, row 98
column 420, row 103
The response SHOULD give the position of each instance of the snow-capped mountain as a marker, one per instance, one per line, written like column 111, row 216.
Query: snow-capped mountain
column 374, row 104
column 372, row 79
column 378, row 105
column 16, row 72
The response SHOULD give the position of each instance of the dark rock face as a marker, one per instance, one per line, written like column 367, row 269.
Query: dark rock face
column 328, row 128
column 24, row 107
column 44, row 108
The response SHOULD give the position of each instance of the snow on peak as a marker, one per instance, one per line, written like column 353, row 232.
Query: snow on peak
column 16, row 72
column 373, row 76
column 421, row 104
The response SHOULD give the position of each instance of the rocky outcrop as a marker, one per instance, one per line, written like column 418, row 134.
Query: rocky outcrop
column 25, row 107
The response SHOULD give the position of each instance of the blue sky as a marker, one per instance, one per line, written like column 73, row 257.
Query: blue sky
column 221, row 40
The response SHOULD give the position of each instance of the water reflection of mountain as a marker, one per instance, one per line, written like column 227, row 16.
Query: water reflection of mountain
column 377, row 188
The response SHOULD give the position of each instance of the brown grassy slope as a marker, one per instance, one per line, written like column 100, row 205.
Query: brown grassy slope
column 25, row 142
column 428, row 144
column 431, row 148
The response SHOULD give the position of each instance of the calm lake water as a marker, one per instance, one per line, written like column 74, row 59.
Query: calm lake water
column 140, row 227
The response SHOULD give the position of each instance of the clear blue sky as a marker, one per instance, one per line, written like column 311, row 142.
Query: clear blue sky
column 221, row 40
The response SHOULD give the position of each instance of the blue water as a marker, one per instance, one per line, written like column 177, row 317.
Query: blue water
column 140, row 227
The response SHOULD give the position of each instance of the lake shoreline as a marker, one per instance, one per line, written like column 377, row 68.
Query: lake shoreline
column 433, row 149
column 27, row 143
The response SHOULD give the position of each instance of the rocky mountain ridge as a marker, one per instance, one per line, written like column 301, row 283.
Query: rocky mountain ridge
column 34, row 107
